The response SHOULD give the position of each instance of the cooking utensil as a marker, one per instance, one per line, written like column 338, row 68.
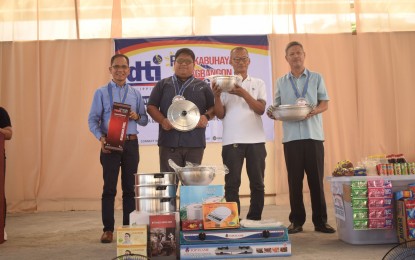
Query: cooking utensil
column 155, row 205
column 226, row 82
column 159, row 178
column 199, row 175
column 155, row 190
column 183, row 115
column 291, row 112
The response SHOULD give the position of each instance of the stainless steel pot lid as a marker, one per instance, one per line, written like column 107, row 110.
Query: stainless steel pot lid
column 183, row 115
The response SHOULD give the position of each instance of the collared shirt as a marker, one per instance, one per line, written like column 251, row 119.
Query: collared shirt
column 241, row 124
column 198, row 92
column 311, row 128
column 100, row 113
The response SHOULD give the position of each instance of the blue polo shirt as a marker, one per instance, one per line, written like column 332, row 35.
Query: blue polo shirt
column 311, row 128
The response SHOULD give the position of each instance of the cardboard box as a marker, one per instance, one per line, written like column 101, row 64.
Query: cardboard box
column 405, row 226
column 191, row 200
column 131, row 249
column 117, row 129
column 237, row 250
column 220, row 215
column 132, row 235
column 163, row 244
column 138, row 218
column 240, row 235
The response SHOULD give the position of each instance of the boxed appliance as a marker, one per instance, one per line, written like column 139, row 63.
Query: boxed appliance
column 240, row 235
column 138, row 218
column 220, row 215
column 117, row 129
column 132, row 235
column 131, row 249
column 341, row 191
column 163, row 236
column 191, row 200
column 236, row 250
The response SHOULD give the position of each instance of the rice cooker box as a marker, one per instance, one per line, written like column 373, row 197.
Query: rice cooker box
column 191, row 200
column 236, row 250
column 240, row 235
column 220, row 215
column 136, row 235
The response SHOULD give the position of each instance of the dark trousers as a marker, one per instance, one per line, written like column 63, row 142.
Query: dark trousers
column 233, row 156
column 179, row 155
column 306, row 156
column 111, row 163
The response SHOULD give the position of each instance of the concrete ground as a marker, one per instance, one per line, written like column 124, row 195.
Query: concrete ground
column 75, row 235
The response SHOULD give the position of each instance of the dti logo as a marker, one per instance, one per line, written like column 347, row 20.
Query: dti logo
column 145, row 71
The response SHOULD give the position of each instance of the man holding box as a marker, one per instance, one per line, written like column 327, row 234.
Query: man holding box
column 117, row 92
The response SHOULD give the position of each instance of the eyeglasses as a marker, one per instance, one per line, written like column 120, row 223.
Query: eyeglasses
column 241, row 59
column 184, row 61
column 118, row 67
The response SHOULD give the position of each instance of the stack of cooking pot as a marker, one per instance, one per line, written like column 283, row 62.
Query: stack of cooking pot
column 156, row 192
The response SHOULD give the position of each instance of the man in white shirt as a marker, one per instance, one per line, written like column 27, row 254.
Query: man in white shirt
column 240, row 110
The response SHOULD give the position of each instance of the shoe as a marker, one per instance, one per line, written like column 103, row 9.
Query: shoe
column 325, row 228
column 106, row 237
column 292, row 228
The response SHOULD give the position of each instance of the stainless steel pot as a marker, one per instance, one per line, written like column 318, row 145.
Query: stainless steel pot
column 155, row 205
column 160, row 178
column 199, row 175
column 227, row 82
column 155, row 190
column 291, row 112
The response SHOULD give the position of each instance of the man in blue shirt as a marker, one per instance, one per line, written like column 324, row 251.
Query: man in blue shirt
column 117, row 90
column 303, row 140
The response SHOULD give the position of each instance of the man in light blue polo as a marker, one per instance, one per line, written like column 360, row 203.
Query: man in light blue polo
column 303, row 140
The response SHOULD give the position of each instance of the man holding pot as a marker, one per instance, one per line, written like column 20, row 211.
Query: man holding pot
column 188, row 145
column 243, row 133
column 303, row 140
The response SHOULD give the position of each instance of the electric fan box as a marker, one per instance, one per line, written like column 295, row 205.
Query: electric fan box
column 136, row 235
column 131, row 249
column 220, row 215
column 191, row 200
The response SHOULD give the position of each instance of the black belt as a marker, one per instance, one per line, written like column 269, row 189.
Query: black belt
column 131, row 137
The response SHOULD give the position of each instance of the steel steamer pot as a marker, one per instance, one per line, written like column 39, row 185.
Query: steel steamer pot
column 156, row 192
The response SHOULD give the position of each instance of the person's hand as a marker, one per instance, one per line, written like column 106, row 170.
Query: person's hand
column 134, row 116
column 237, row 90
column 166, row 125
column 312, row 113
column 103, row 142
column 216, row 90
column 270, row 109
column 203, row 122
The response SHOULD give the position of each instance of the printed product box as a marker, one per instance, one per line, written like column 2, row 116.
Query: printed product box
column 405, row 219
column 131, row 249
column 163, row 243
column 132, row 235
column 237, row 250
column 240, row 235
column 220, row 215
column 117, row 128
column 191, row 200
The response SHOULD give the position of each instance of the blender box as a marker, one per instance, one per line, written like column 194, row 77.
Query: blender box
column 219, row 215
column 191, row 200
column 136, row 235
column 237, row 250
column 240, row 235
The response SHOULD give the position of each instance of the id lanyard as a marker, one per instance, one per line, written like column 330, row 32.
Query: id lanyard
column 304, row 89
column 110, row 94
column 180, row 91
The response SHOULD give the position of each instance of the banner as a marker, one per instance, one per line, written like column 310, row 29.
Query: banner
column 152, row 59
